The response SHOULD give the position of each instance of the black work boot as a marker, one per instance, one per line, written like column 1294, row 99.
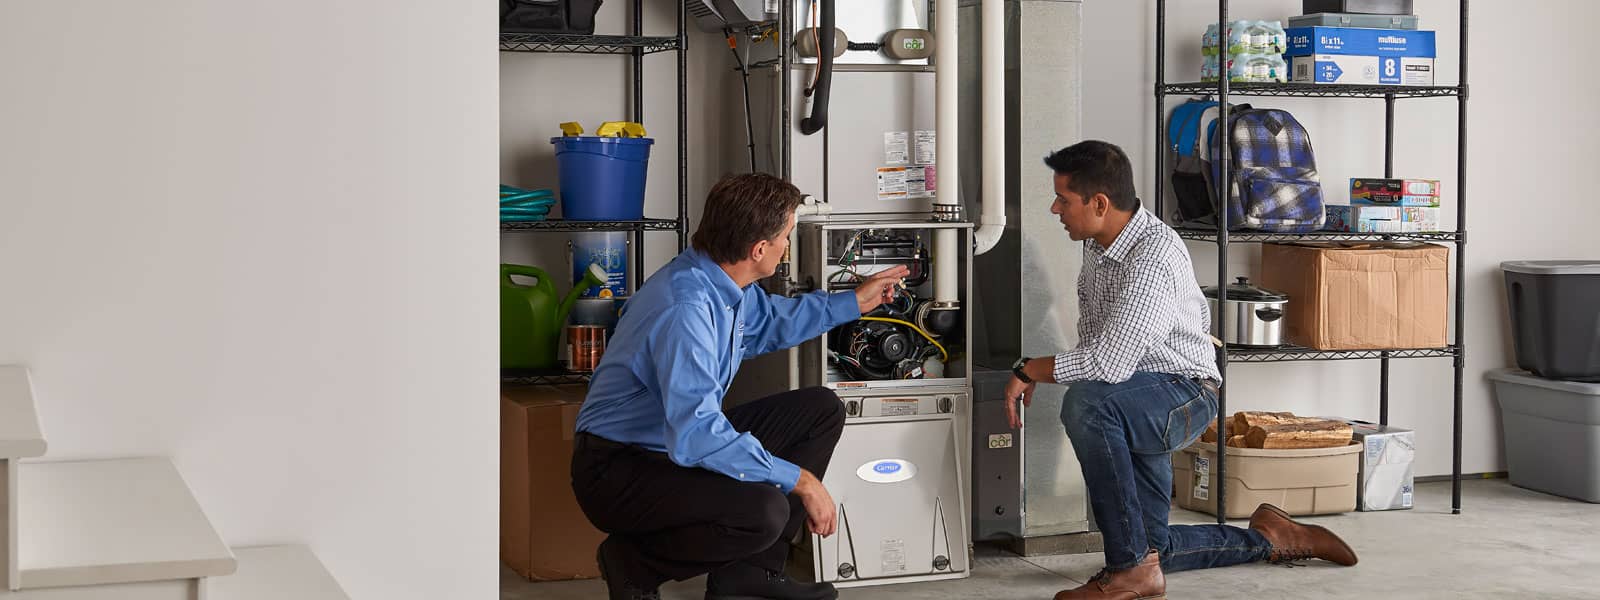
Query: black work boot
column 744, row 581
column 617, row 584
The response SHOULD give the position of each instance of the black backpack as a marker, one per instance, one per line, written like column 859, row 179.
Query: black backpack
column 548, row 16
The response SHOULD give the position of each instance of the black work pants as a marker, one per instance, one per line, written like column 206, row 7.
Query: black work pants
column 674, row 523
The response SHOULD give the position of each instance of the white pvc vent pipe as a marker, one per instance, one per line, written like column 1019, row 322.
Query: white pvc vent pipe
column 992, row 225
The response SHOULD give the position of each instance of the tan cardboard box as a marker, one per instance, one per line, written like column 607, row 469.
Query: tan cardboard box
column 544, row 536
column 1360, row 296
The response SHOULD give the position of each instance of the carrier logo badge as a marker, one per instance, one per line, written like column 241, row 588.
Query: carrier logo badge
column 886, row 470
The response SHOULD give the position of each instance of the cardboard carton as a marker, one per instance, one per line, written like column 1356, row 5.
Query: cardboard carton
column 1360, row 296
column 544, row 536
column 1387, row 480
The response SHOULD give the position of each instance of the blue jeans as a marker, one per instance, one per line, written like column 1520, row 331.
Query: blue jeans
column 1124, row 435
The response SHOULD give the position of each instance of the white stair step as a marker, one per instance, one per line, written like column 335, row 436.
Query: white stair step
column 274, row 573
column 112, row 521
column 19, row 421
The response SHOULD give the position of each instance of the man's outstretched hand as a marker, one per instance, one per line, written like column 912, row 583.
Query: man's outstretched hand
column 879, row 288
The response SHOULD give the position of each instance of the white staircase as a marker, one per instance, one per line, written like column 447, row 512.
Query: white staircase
column 122, row 529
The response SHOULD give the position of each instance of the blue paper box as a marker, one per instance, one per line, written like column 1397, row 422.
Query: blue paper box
column 1349, row 41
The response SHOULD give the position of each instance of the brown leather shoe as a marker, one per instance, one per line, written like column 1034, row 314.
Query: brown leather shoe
column 1143, row 582
column 1297, row 541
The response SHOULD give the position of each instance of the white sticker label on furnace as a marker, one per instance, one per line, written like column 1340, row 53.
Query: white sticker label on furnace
column 1202, row 478
column 918, row 183
column 891, row 183
column 927, row 142
column 893, row 554
column 899, row 407
column 896, row 148
column 999, row 440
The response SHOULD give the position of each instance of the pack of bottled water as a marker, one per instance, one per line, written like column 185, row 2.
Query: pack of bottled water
column 1255, row 52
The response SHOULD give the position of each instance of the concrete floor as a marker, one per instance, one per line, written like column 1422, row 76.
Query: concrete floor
column 1508, row 543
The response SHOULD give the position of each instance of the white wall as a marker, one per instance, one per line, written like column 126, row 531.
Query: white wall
column 1529, row 116
column 257, row 238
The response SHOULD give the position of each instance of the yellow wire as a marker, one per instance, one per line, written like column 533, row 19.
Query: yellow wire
column 946, row 355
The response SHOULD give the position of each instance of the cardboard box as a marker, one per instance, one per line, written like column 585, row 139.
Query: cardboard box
column 1361, row 70
column 1360, row 296
column 1387, row 480
column 544, row 536
column 1394, row 192
column 1310, row 481
column 1381, row 219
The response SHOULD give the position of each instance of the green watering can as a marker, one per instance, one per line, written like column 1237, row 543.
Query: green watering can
column 530, row 318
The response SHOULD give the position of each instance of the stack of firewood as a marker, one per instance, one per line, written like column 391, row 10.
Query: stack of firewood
column 1280, row 430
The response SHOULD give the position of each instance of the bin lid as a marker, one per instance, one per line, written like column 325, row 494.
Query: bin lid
column 1552, row 267
column 1525, row 378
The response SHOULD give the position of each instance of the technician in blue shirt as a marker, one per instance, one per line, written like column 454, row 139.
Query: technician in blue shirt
column 682, row 487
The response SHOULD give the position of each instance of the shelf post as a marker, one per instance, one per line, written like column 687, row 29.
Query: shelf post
column 1461, row 265
column 1223, row 186
column 1161, row 105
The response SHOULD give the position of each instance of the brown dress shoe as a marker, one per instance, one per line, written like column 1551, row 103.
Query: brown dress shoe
column 1143, row 582
column 1297, row 541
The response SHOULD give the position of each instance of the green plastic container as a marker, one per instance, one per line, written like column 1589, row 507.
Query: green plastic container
column 531, row 316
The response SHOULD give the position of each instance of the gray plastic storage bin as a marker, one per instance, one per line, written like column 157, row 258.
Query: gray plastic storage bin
column 1552, row 433
column 1371, row 7
column 1555, row 317
column 1359, row 21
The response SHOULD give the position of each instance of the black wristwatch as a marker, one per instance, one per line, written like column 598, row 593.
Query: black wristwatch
column 1016, row 370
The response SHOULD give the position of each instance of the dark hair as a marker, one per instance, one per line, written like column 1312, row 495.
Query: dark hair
column 742, row 210
column 1096, row 167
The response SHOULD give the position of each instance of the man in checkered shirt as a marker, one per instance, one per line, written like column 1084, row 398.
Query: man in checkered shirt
column 1143, row 384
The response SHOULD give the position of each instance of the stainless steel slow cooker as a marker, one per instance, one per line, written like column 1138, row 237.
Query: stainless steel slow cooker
column 1254, row 316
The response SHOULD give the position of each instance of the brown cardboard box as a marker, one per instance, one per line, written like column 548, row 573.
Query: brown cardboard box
column 544, row 536
column 1360, row 296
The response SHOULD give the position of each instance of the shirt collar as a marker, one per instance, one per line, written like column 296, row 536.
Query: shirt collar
column 727, row 292
column 1130, row 235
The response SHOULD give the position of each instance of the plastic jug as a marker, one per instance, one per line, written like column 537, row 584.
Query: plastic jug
column 531, row 316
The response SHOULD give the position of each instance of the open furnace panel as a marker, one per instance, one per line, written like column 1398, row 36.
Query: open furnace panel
column 918, row 339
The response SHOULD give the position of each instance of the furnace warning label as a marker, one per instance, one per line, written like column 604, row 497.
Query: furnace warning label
column 893, row 555
column 900, row 183
column 899, row 407
column 896, row 148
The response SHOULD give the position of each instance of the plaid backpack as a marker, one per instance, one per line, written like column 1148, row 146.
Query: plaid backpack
column 1275, row 183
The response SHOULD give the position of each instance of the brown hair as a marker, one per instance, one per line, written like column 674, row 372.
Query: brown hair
column 742, row 210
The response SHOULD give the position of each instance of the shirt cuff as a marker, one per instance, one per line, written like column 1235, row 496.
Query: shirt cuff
column 843, row 307
column 784, row 474
column 1063, row 369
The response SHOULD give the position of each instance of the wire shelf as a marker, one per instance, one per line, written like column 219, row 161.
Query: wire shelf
column 1297, row 353
column 585, row 44
column 1210, row 235
column 524, row 377
column 1314, row 90
column 565, row 225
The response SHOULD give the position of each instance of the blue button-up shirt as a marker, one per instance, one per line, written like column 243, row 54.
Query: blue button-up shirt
column 675, row 350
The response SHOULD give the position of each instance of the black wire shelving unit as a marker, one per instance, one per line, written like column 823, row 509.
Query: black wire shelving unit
column 636, row 45
column 1457, row 351
column 585, row 44
column 566, row 225
column 557, row 376
column 1210, row 235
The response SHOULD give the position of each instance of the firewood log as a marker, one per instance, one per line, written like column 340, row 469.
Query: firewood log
column 1244, row 420
column 1315, row 434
